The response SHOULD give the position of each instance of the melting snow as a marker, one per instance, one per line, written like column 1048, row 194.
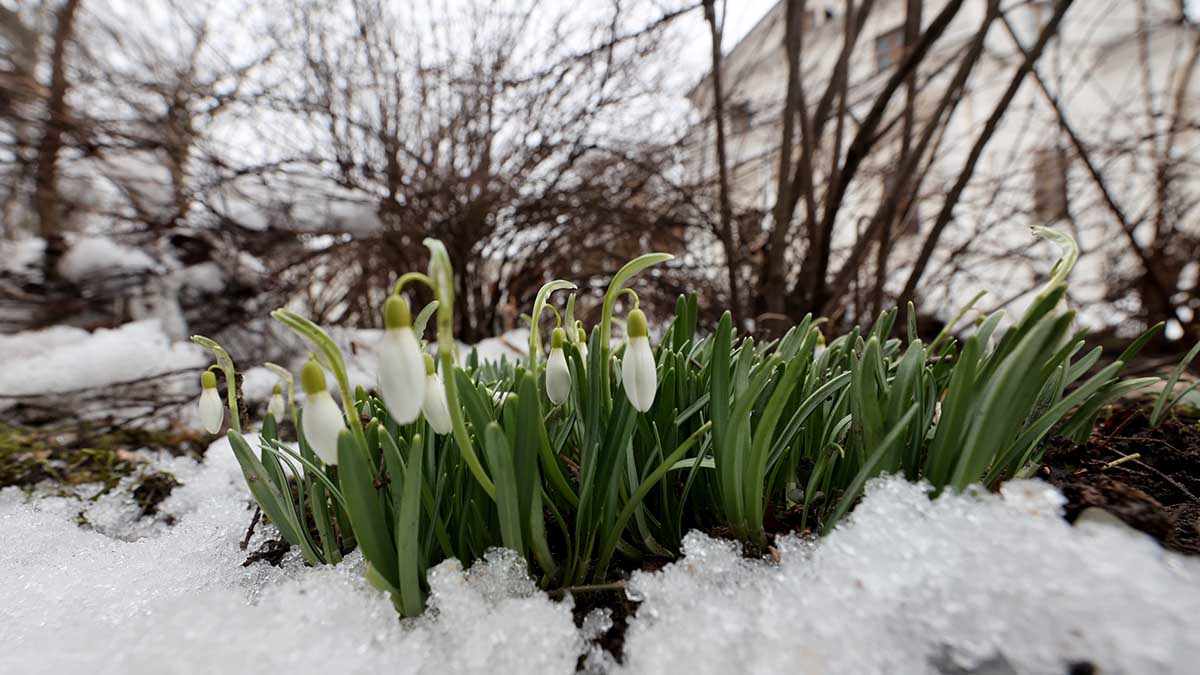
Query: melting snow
column 60, row 359
column 911, row 585
column 101, row 257
column 907, row 585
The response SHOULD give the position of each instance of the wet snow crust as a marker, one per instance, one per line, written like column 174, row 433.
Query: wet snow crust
column 906, row 585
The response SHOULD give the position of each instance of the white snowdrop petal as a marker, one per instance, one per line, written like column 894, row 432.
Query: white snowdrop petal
column 402, row 374
column 322, row 422
column 212, row 411
column 275, row 407
column 437, row 413
column 638, row 373
column 558, row 377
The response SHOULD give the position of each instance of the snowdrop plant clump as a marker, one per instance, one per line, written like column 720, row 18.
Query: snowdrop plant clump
column 595, row 453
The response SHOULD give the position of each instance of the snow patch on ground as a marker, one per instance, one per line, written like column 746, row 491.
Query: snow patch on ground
column 101, row 257
column 258, row 383
column 904, row 584
column 19, row 256
column 177, row 600
column 911, row 585
column 62, row 359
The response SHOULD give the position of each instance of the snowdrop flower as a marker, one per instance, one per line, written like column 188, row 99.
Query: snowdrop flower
column 401, row 363
column 212, row 411
column 322, row 419
column 638, row 372
column 581, row 343
column 558, row 376
column 436, row 411
column 275, row 406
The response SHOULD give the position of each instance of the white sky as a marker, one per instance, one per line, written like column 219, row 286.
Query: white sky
column 742, row 16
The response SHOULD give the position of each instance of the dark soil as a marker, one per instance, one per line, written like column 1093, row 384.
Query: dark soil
column 622, row 610
column 271, row 551
column 1149, row 478
column 68, row 457
column 75, row 455
column 151, row 490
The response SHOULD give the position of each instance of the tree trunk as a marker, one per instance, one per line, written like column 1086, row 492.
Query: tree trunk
column 968, row 170
column 774, row 279
column 46, row 200
column 726, row 234
column 905, row 185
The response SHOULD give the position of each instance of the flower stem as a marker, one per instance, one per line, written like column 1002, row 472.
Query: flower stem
column 443, row 288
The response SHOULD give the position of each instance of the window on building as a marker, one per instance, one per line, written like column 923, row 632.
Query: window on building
column 1050, row 185
column 889, row 48
column 806, row 21
column 740, row 117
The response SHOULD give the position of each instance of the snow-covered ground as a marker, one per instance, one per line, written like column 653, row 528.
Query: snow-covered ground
column 906, row 585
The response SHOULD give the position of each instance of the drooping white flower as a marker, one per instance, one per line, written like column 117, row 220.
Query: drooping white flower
column 638, row 370
column 275, row 407
column 401, row 363
column 322, row 420
column 581, row 344
column 212, row 411
column 558, row 375
column 434, row 406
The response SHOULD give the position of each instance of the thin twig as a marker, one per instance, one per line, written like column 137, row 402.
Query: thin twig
column 1176, row 484
column 590, row 588
column 250, row 530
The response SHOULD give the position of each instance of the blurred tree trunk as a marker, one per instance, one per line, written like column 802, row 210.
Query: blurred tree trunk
column 905, row 184
column 774, row 285
column 1031, row 56
column 46, row 174
column 725, row 231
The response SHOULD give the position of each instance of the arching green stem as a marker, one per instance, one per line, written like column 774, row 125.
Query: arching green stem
column 615, row 287
column 409, row 277
column 637, row 302
column 1066, row 261
column 226, row 365
column 331, row 357
column 539, row 304
column 443, row 288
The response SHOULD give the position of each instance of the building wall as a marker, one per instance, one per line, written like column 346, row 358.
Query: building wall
column 1113, row 85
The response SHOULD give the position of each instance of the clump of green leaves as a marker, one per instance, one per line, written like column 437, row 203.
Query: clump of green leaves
column 726, row 430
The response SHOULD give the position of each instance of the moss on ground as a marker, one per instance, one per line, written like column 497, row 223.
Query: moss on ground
column 71, row 456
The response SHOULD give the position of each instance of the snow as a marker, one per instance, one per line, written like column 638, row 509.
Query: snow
column 512, row 345
column 909, row 583
column 257, row 384
column 101, row 257
column 32, row 343
column 902, row 585
column 177, row 600
column 19, row 256
column 205, row 277
column 66, row 359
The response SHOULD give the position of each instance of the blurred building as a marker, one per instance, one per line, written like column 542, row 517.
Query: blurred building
column 1122, row 72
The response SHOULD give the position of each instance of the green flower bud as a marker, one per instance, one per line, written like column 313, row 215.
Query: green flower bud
column 635, row 324
column 312, row 378
column 396, row 313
